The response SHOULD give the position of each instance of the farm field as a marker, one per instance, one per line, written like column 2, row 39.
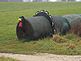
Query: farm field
column 9, row 13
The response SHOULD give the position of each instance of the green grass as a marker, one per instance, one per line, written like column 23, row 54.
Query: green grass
column 7, row 59
column 9, row 13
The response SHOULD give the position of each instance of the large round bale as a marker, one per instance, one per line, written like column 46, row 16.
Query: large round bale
column 61, row 25
column 76, row 26
column 75, row 23
column 72, row 17
column 33, row 28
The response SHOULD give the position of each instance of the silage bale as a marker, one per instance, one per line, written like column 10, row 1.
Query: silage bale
column 71, row 17
column 34, row 28
column 61, row 25
column 75, row 23
column 39, row 25
column 76, row 26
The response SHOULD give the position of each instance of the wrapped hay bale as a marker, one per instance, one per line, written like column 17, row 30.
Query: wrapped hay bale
column 35, row 27
column 71, row 17
column 75, row 23
column 61, row 25
column 76, row 26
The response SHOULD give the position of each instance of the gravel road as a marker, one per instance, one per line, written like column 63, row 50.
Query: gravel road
column 42, row 57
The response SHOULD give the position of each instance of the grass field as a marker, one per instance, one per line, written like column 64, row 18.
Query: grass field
column 7, row 59
column 9, row 13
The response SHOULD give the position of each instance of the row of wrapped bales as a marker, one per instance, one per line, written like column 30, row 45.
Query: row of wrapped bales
column 34, row 27
column 42, row 25
column 66, row 23
column 60, row 25
column 75, row 23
